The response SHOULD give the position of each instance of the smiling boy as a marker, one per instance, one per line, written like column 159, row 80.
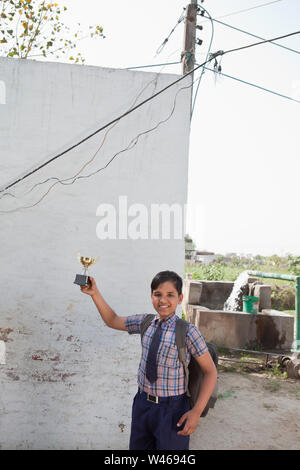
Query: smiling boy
column 161, row 414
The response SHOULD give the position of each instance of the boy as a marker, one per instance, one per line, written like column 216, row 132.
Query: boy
column 161, row 414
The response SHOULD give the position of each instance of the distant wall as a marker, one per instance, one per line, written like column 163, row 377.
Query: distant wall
column 210, row 294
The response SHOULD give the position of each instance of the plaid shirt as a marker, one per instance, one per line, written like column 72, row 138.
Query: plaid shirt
column 170, row 371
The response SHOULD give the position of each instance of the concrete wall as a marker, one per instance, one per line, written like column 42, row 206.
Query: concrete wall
column 68, row 380
column 203, row 304
column 213, row 294
column 274, row 331
column 210, row 294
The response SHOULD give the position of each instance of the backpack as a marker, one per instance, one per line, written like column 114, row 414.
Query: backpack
column 193, row 371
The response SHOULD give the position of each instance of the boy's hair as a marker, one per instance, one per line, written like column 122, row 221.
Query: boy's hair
column 167, row 276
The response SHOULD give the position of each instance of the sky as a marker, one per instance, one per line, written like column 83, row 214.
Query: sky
column 243, row 189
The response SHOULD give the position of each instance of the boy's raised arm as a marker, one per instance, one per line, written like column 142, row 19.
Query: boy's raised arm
column 107, row 313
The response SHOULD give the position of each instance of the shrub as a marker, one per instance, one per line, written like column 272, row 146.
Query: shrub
column 283, row 297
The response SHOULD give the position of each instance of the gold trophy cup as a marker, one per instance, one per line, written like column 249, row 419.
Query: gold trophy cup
column 83, row 279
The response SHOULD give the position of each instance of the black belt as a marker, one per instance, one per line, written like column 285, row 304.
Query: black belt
column 152, row 398
column 155, row 399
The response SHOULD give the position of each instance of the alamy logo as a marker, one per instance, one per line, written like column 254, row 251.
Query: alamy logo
column 2, row 92
column 137, row 221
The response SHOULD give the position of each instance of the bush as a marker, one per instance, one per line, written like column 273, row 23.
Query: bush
column 213, row 272
column 283, row 297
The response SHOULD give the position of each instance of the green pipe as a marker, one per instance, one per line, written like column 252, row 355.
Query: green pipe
column 286, row 277
column 296, row 279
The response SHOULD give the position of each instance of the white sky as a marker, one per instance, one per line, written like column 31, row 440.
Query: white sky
column 244, row 150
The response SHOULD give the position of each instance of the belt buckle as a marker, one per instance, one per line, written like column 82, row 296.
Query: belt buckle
column 152, row 398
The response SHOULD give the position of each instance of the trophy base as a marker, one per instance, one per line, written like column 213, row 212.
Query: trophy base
column 82, row 280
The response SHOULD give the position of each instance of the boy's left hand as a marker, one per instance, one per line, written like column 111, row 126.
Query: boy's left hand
column 191, row 419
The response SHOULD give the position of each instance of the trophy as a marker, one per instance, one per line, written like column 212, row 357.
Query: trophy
column 83, row 279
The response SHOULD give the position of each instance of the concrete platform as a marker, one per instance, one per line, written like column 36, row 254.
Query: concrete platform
column 264, row 331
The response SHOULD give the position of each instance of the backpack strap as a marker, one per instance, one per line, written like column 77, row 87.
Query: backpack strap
column 146, row 323
column 180, row 340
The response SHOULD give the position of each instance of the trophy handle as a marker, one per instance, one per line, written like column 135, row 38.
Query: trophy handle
column 83, row 279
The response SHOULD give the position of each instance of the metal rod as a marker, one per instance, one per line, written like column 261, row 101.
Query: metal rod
column 237, row 360
column 266, row 353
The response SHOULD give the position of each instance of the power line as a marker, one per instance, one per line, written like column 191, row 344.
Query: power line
column 152, row 65
column 160, row 48
column 245, row 47
column 248, row 9
column 131, row 145
column 99, row 130
column 103, row 140
column 75, row 177
column 212, row 56
column 253, row 35
column 261, row 42
column 254, row 85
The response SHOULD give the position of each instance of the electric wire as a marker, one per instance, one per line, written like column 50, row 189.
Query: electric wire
column 130, row 146
column 253, row 35
column 151, row 65
column 90, row 161
column 99, row 148
column 261, row 42
column 142, row 103
column 133, row 141
column 126, row 113
column 76, row 176
column 254, row 85
column 103, row 140
column 248, row 9
column 160, row 48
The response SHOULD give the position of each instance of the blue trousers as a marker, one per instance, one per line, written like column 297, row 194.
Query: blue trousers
column 154, row 426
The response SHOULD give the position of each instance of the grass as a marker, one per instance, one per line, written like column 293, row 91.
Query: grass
column 227, row 394
column 220, row 272
column 272, row 386
column 297, row 392
column 283, row 292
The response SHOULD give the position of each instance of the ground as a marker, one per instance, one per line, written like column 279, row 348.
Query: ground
column 255, row 410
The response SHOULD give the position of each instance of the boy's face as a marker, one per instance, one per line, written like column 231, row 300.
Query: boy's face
column 165, row 299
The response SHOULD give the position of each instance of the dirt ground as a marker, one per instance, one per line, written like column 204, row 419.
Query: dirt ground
column 256, row 409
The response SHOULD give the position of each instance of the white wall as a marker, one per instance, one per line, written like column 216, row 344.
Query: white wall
column 61, row 361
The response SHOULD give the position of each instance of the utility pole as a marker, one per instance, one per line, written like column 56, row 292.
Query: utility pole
column 188, row 54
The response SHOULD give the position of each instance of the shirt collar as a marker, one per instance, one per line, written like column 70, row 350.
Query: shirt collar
column 168, row 321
